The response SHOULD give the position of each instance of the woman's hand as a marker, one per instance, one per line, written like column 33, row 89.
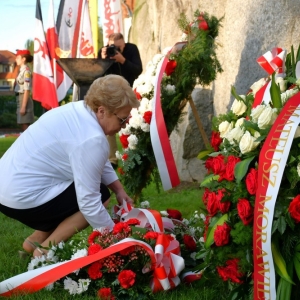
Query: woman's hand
column 123, row 196
column 23, row 111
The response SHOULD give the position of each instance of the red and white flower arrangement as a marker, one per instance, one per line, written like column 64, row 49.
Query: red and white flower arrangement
column 230, row 189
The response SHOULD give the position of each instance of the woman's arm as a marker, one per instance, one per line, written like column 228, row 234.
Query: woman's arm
column 24, row 102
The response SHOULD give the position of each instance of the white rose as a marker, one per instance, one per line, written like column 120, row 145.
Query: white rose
column 70, row 285
column 136, row 121
column 126, row 130
column 224, row 127
column 145, row 127
column 239, row 122
column 256, row 86
column 256, row 112
column 145, row 204
column 247, row 143
column 238, row 107
column 298, row 169
column 288, row 94
column 234, row 135
column 282, row 83
column 267, row 117
column 170, row 89
column 144, row 106
column 132, row 141
column 118, row 154
column 83, row 285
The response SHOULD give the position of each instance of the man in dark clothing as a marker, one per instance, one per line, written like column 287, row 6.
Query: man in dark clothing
column 128, row 64
column 127, row 58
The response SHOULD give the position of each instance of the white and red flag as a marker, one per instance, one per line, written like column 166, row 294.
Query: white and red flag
column 112, row 20
column 61, row 79
column 85, row 41
column 273, row 60
column 68, row 27
column 43, row 88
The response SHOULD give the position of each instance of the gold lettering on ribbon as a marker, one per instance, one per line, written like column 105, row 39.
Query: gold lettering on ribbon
column 262, row 237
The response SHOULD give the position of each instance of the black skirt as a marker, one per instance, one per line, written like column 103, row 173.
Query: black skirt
column 48, row 216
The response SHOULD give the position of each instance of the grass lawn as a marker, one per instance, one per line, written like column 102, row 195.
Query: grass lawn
column 186, row 198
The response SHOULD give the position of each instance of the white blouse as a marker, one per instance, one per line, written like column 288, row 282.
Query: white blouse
column 66, row 144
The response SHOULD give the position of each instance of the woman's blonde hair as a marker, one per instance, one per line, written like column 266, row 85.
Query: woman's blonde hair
column 112, row 92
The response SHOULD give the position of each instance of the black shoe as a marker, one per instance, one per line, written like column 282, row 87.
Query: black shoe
column 114, row 165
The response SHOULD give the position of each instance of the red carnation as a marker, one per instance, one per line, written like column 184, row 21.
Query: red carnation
column 216, row 140
column 124, row 156
column 189, row 242
column 105, row 294
column 126, row 279
column 124, row 140
column 94, row 248
column 170, row 67
column 133, row 222
column 151, row 235
column 138, row 95
column 245, row 211
column 147, row 116
column 294, row 209
column 94, row 270
column 251, row 181
column 221, row 235
column 121, row 170
column 230, row 271
column 121, row 227
column 174, row 214
column 92, row 236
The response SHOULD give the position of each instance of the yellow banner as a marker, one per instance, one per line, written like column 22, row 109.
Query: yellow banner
column 93, row 9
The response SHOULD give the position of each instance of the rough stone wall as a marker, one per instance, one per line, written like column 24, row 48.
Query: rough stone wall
column 249, row 29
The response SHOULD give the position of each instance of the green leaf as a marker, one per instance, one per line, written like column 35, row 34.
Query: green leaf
column 241, row 168
column 296, row 260
column 210, row 235
column 275, row 93
column 209, row 179
column 281, row 224
column 235, row 95
column 280, row 265
column 203, row 154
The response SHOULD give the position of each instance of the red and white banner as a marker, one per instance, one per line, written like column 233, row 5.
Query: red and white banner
column 61, row 79
column 85, row 41
column 272, row 161
column 43, row 87
column 166, row 261
column 159, row 135
column 273, row 61
column 112, row 20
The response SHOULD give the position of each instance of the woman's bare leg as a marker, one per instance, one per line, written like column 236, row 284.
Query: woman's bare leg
column 24, row 126
column 62, row 232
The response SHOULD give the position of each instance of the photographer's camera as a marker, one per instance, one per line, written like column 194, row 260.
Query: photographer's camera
column 112, row 50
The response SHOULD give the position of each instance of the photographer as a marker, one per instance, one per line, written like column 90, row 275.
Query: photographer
column 126, row 56
column 128, row 64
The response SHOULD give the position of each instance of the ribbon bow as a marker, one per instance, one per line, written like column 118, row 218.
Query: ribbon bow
column 273, row 61
column 168, row 263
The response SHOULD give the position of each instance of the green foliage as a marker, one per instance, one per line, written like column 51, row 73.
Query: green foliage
column 197, row 62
